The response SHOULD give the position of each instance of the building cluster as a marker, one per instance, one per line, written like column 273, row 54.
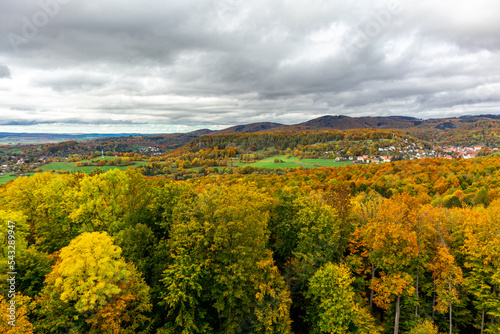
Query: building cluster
column 152, row 150
column 20, row 166
column 464, row 152
column 415, row 151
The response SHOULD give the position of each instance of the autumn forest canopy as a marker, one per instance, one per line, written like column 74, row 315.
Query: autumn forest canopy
column 199, row 240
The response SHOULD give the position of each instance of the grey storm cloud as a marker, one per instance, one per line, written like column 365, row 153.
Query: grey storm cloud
column 234, row 61
column 4, row 71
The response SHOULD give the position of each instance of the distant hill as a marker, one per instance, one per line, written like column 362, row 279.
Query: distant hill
column 346, row 123
column 175, row 140
column 248, row 128
column 181, row 136
column 178, row 139
column 329, row 122
column 341, row 122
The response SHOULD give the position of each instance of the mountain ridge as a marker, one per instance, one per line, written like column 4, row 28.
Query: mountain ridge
column 326, row 122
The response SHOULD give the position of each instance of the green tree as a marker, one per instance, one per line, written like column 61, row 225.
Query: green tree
column 318, row 235
column 32, row 267
column 183, row 296
column 336, row 310
column 101, row 202
column 219, row 239
column 481, row 255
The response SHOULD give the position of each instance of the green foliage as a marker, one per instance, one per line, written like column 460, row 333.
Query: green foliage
column 452, row 202
column 223, row 231
column 32, row 267
column 283, row 226
column 482, row 197
column 482, row 251
column 138, row 244
column 318, row 235
column 335, row 309
column 183, row 296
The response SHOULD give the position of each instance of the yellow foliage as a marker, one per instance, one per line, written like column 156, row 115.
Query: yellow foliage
column 89, row 270
column 22, row 323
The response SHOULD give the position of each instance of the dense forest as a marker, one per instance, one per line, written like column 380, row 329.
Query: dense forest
column 408, row 247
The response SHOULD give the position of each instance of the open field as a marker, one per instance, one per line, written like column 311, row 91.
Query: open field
column 6, row 178
column 71, row 167
column 265, row 163
column 109, row 157
column 12, row 149
column 294, row 162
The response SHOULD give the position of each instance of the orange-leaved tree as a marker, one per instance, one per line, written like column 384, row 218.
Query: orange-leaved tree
column 388, row 241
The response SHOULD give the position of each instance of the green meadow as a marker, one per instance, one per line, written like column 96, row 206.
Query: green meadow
column 6, row 178
column 71, row 167
column 294, row 162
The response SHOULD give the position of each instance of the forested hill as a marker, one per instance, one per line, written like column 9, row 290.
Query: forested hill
column 248, row 128
column 388, row 122
column 442, row 131
column 346, row 123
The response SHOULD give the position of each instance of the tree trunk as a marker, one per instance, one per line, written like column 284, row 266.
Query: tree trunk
column 451, row 315
column 482, row 322
column 433, row 298
column 451, row 326
column 418, row 264
column 371, row 300
column 416, row 306
column 493, row 317
column 371, row 290
column 396, row 321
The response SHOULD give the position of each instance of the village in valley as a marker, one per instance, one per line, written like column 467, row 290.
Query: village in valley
column 18, row 160
column 417, row 152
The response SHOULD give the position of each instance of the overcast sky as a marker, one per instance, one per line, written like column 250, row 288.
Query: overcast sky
column 166, row 66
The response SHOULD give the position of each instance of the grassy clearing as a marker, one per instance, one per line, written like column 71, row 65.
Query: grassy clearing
column 294, row 162
column 71, row 167
column 109, row 157
column 6, row 178
column 13, row 149
column 264, row 152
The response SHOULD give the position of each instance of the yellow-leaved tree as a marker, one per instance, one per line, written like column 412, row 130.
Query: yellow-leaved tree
column 482, row 255
column 91, row 289
column 19, row 323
